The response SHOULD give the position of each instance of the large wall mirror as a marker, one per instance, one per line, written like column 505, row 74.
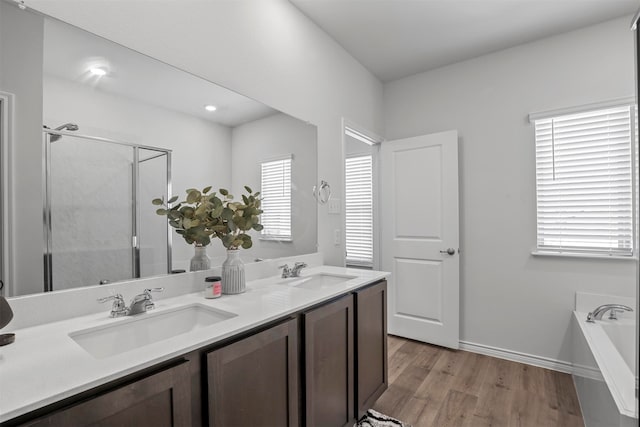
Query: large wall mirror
column 121, row 129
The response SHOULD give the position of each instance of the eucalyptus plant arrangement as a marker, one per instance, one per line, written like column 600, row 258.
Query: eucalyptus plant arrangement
column 204, row 215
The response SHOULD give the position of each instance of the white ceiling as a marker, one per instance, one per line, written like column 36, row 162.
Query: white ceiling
column 69, row 52
column 398, row 38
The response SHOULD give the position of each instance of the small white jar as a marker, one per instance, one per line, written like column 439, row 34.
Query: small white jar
column 213, row 287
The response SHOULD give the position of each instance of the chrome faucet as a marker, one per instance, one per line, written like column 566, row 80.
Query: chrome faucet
column 143, row 302
column 286, row 271
column 297, row 268
column 292, row 272
column 613, row 314
column 118, row 309
column 139, row 304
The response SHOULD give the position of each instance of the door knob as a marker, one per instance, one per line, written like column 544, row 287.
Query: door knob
column 449, row 251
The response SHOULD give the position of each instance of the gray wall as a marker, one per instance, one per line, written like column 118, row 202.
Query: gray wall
column 267, row 50
column 268, row 138
column 22, row 76
column 508, row 298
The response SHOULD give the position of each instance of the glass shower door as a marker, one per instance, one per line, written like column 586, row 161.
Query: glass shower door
column 91, row 211
column 153, row 235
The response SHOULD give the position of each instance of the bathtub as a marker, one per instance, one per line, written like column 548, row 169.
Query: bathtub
column 605, row 370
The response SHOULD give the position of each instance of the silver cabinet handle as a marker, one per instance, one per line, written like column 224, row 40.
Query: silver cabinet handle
column 449, row 251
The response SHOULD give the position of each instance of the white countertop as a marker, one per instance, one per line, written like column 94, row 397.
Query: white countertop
column 45, row 365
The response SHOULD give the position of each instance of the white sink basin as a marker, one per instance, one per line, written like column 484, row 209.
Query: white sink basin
column 144, row 329
column 316, row 281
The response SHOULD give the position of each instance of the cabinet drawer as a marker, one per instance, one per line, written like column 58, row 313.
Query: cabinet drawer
column 160, row 399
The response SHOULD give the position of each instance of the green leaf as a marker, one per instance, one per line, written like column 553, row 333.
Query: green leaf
column 217, row 212
column 157, row 202
column 246, row 187
column 205, row 190
column 258, row 227
column 173, row 199
column 239, row 222
column 220, row 228
column 193, row 196
column 246, row 244
column 187, row 212
column 227, row 214
column 161, row 211
column 245, row 199
column 223, row 192
column 227, row 240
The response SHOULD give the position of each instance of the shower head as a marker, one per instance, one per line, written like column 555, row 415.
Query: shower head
column 66, row 126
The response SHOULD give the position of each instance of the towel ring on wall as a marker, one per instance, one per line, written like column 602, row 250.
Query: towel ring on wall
column 322, row 192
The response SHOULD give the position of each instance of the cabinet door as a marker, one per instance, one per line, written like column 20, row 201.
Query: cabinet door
column 371, row 345
column 328, row 343
column 161, row 399
column 254, row 381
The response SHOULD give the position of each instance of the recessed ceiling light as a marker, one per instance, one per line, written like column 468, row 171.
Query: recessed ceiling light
column 97, row 71
column 210, row 107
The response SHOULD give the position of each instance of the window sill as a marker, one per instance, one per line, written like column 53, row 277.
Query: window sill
column 275, row 239
column 582, row 255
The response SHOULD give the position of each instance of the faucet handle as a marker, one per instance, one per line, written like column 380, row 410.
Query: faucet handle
column 286, row 271
column 300, row 264
column 150, row 305
column 149, row 290
column 613, row 314
column 118, row 308
column 116, row 298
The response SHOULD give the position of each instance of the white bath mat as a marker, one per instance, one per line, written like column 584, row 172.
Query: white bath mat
column 376, row 419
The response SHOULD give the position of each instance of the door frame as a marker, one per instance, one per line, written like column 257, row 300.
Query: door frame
column 377, row 141
column 7, row 126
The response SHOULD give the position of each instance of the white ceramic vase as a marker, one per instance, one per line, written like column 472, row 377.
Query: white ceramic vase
column 200, row 260
column 233, row 273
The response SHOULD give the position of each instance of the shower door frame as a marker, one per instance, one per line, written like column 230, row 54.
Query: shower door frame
column 135, row 241
column 7, row 115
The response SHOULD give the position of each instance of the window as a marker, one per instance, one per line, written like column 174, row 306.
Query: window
column 359, row 210
column 276, row 199
column 583, row 182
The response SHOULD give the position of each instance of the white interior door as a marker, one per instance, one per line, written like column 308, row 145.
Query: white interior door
column 419, row 245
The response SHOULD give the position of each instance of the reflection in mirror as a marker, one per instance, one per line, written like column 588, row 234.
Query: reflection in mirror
column 103, row 227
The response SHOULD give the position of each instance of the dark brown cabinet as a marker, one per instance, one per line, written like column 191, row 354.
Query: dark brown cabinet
column 160, row 399
column 324, row 366
column 371, row 345
column 254, row 381
column 328, row 352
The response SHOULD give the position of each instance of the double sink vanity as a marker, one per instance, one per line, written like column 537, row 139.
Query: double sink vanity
column 308, row 350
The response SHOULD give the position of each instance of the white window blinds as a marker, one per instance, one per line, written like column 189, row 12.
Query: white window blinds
column 359, row 210
column 583, row 182
column 276, row 199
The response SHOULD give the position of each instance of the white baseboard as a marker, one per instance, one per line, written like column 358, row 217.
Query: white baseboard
column 515, row 356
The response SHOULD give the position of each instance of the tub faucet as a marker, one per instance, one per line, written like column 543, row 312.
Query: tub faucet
column 615, row 309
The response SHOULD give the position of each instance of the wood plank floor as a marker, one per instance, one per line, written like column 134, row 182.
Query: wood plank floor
column 431, row 386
